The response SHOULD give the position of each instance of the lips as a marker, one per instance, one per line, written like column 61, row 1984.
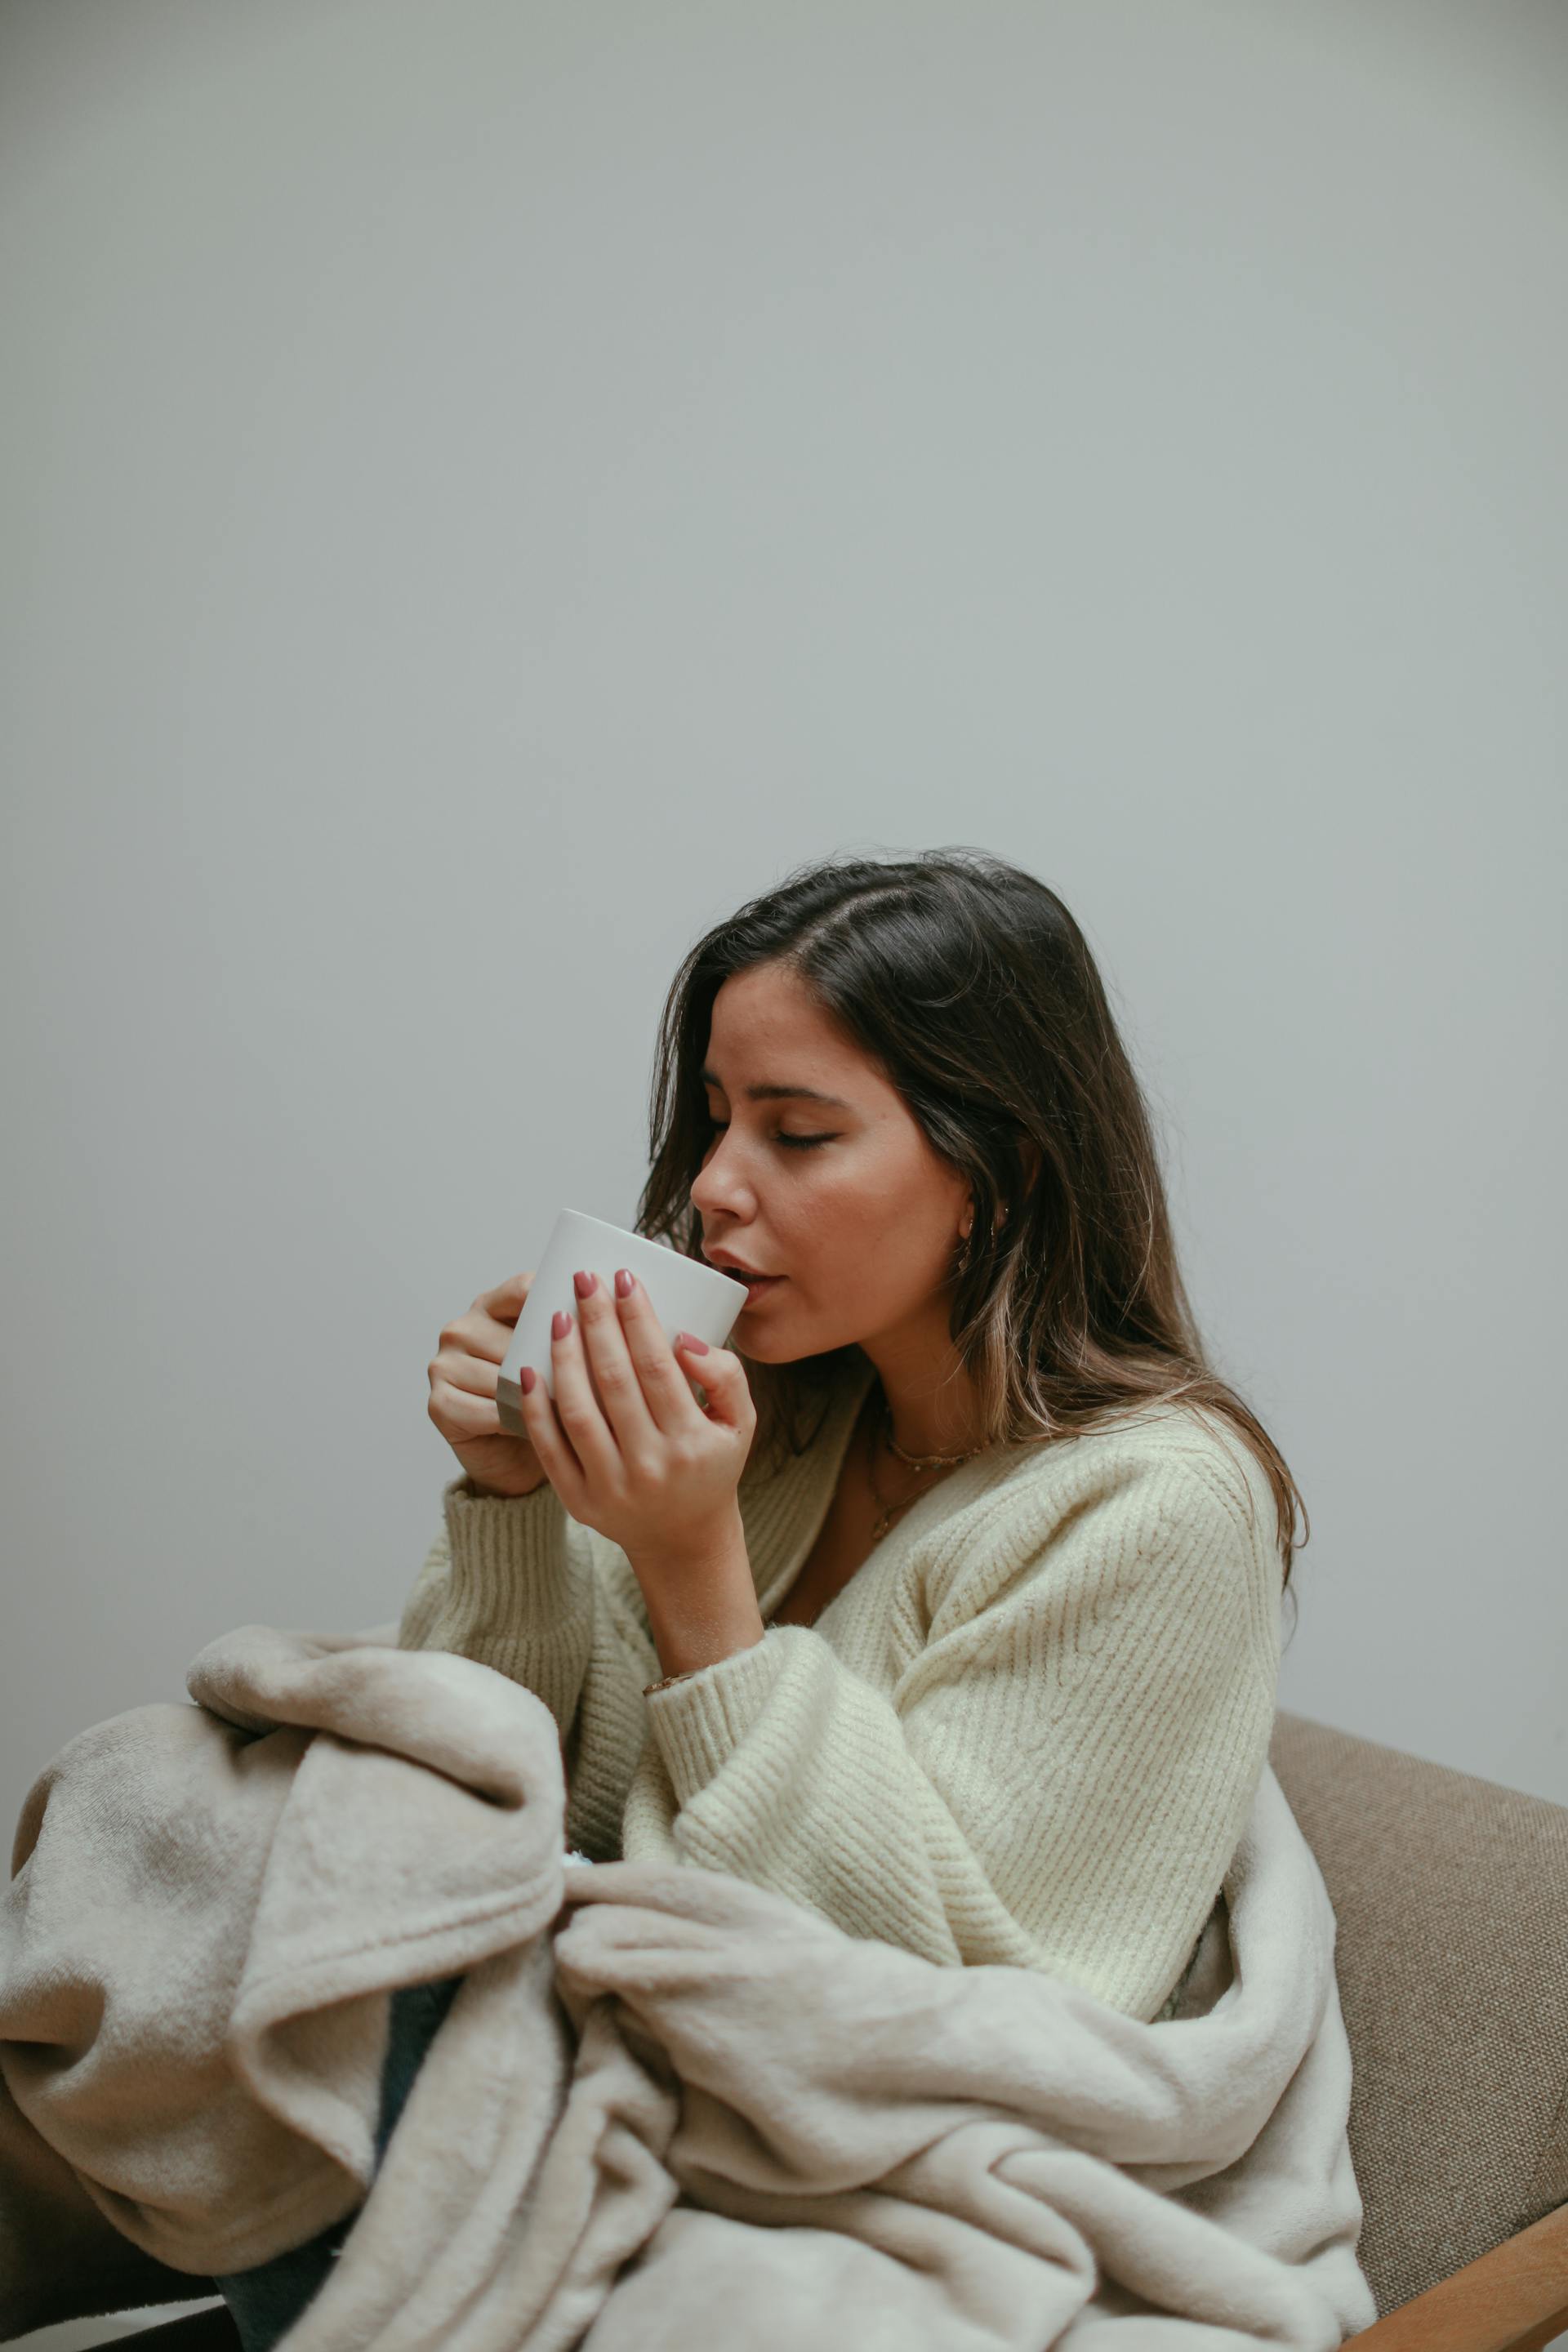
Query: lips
column 757, row 1285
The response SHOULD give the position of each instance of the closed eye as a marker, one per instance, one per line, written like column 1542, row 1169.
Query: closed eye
column 790, row 1142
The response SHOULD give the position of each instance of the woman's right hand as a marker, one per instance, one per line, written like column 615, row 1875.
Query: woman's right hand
column 464, row 1375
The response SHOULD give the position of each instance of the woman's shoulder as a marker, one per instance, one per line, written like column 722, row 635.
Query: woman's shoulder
column 1157, row 1514
column 1154, row 1465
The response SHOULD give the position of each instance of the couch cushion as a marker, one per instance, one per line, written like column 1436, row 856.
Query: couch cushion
column 1451, row 1895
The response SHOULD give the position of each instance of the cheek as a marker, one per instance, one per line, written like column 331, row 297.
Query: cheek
column 875, row 1231
column 843, row 1226
column 816, row 1227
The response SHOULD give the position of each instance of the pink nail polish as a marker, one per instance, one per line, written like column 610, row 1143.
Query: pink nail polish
column 693, row 1347
column 560, row 1324
column 526, row 1376
column 623, row 1284
column 584, row 1285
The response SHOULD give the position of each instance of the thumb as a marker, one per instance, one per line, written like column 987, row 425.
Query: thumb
column 722, row 1376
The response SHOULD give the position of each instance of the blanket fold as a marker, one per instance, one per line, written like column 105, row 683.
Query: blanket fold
column 666, row 2106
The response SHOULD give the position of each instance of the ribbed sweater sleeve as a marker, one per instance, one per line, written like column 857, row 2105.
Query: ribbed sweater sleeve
column 1064, row 1764
column 510, row 1581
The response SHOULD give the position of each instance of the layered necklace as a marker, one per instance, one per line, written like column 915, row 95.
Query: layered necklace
column 880, row 1426
column 887, row 1511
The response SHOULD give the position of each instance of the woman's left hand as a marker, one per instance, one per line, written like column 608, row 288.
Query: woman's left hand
column 650, row 1470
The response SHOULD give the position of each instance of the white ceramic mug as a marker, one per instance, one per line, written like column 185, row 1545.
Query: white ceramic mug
column 684, row 1295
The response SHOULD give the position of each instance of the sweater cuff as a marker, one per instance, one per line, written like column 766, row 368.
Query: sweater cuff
column 698, row 1724
column 510, row 1572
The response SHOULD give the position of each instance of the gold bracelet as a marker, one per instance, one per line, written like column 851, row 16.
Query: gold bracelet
column 649, row 1688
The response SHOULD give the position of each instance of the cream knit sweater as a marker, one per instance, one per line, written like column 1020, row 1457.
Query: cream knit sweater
column 1028, row 1729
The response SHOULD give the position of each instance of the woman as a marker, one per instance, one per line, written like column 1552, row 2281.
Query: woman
column 953, row 1611
column 1022, row 1550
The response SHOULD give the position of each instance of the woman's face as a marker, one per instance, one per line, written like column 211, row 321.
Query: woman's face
column 861, row 1225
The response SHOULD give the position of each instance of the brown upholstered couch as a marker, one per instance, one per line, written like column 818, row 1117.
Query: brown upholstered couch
column 1451, row 1895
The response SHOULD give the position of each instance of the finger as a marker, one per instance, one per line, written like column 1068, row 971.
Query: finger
column 664, row 1386
column 723, row 1377
column 541, row 1427
column 608, row 1363
column 583, row 1424
column 478, row 1333
column 504, row 1304
column 479, row 1375
column 460, row 1414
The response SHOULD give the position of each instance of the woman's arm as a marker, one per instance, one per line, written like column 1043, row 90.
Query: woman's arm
column 503, row 1583
column 1060, row 1775
column 510, row 1581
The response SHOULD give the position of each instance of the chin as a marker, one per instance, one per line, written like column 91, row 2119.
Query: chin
column 765, row 1347
column 784, row 1347
column 758, row 1351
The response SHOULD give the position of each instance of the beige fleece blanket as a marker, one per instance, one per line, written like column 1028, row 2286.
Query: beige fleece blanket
column 667, row 2108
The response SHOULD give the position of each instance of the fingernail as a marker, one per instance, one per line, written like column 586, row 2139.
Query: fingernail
column 623, row 1284
column 526, row 1376
column 585, row 1284
column 694, row 1347
column 560, row 1324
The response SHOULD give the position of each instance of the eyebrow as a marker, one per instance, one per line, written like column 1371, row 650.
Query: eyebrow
column 766, row 1091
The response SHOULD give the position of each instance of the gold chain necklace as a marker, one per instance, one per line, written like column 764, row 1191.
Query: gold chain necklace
column 890, row 1511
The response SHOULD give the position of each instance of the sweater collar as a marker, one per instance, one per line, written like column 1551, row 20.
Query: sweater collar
column 784, row 1516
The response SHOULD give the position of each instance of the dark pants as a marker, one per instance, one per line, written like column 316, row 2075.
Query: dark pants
column 267, row 2300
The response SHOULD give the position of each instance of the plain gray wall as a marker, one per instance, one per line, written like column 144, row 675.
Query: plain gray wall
column 487, row 487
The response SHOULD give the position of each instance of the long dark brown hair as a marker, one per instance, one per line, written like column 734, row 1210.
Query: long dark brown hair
column 968, row 984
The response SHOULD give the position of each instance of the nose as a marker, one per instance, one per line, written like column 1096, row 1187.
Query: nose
column 719, row 1190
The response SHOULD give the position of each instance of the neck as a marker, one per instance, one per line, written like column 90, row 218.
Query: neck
column 933, row 1403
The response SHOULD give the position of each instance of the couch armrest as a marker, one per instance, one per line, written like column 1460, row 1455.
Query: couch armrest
column 1515, row 2299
